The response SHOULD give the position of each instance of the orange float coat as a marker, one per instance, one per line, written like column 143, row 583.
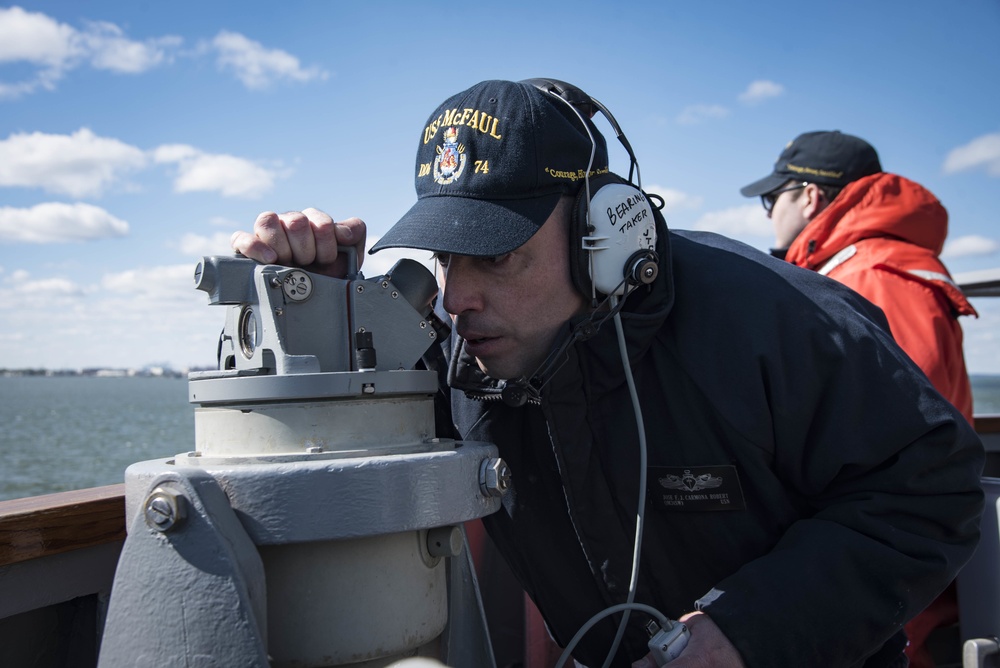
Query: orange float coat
column 882, row 236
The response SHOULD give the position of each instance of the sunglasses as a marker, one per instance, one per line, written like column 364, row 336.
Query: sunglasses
column 770, row 198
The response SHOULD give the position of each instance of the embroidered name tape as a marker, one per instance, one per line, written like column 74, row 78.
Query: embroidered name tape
column 695, row 488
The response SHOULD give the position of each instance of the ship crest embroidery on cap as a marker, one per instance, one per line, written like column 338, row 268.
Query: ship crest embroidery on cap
column 450, row 161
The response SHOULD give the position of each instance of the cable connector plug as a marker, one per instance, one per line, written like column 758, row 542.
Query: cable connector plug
column 666, row 644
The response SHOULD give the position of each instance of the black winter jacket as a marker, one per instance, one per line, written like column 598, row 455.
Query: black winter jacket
column 806, row 485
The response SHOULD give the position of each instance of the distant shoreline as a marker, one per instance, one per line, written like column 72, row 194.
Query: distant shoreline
column 103, row 372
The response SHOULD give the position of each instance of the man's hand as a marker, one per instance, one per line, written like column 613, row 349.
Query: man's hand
column 707, row 647
column 309, row 239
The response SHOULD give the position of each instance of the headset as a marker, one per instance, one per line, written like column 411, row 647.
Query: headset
column 612, row 252
column 613, row 229
column 612, row 238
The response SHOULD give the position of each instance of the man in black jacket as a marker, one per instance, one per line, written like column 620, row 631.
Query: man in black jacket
column 807, row 489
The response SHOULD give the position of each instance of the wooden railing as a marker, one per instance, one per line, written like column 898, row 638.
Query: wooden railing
column 37, row 526
column 987, row 424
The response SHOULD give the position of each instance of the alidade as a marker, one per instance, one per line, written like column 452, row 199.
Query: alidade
column 317, row 521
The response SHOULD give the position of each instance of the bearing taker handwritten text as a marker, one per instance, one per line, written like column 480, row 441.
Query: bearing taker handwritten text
column 621, row 215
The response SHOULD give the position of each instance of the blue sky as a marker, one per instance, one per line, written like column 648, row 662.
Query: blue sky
column 136, row 137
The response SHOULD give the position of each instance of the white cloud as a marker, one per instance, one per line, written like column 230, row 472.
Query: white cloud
column 699, row 113
column 170, row 319
column 674, row 200
column 84, row 164
column 982, row 152
column 175, row 153
column 34, row 38
column 258, row 67
column 230, row 176
column 199, row 246
column 15, row 90
column 78, row 165
column 109, row 49
column 55, row 48
column 740, row 221
column 222, row 221
column 970, row 245
column 47, row 290
column 761, row 90
column 153, row 284
column 52, row 49
column 55, row 222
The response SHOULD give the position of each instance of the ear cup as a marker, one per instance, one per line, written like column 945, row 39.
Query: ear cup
column 620, row 233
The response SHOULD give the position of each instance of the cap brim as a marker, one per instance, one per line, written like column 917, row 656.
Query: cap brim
column 466, row 226
column 764, row 185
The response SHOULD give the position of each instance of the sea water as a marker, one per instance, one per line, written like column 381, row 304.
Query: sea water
column 71, row 432
column 59, row 433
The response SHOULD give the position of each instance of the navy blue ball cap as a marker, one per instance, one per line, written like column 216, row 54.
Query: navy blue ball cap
column 492, row 163
column 825, row 157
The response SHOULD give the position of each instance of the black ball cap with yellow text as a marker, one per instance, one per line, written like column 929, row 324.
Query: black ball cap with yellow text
column 492, row 163
column 826, row 157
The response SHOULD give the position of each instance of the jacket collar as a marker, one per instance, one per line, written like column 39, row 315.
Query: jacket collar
column 880, row 205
